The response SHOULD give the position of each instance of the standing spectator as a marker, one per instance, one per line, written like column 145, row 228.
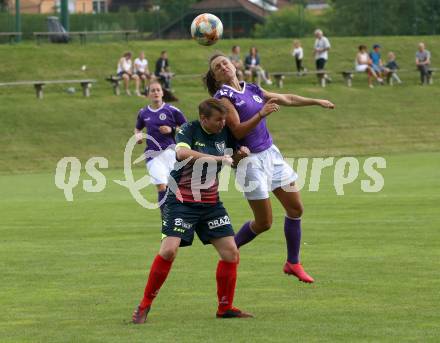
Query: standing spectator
column 163, row 71
column 141, row 69
column 321, row 48
column 298, row 53
column 125, row 70
column 237, row 62
column 392, row 67
column 423, row 61
column 363, row 64
column 253, row 67
column 376, row 60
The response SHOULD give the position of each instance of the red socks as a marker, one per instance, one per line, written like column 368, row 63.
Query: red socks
column 158, row 274
column 226, row 280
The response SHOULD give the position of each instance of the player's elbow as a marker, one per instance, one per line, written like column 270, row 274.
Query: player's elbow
column 238, row 133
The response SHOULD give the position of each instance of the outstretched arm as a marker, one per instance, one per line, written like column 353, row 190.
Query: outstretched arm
column 296, row 100
column 184, row 152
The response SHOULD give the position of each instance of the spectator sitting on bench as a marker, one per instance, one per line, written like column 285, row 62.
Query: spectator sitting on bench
column 364, row 64
column 423, row 60
column 236, row 60
column 377, row 63
column 392, row 67
column 125, row 70
column 162, row 71
column 253, row 67
column 298, row 53
column 141, row 70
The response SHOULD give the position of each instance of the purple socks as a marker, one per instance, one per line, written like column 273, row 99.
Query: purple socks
column 245, row 235
column 292, row 231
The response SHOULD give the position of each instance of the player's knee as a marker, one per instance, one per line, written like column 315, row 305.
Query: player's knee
column 262, row 225
column 232, row 255
column 295, row 211
column 168, row 254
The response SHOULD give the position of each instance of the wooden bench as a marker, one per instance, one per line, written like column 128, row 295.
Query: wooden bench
column 348, row 75
column 116, row 81
column 83, row 34
column 280, row 76
column 11, row 35
column 38, row 85
column 116, row 85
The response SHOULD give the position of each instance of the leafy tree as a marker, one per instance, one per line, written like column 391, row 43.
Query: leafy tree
column 175, row 8
column 384, row 17
column 292, row 21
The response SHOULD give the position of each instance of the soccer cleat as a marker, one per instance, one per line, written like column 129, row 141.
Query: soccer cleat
column 234, row 313
column 140, row 316
column 298, row 271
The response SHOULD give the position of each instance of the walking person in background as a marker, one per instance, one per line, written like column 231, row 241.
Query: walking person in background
column 423, row 61
column 321, row 49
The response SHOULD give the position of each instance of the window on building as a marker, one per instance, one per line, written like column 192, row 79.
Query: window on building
column 99, row 6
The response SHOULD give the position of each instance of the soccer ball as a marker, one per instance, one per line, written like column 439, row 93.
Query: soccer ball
column 207, row 29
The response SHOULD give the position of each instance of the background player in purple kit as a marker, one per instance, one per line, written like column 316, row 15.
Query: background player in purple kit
column 248, row 105
column 161, row 121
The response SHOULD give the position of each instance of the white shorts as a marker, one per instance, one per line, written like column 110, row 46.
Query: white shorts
column 263, row 172
column 361, row 67
column 161, row 166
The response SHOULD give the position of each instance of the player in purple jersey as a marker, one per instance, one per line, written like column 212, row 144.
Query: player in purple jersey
column 161, row 121
column 248, row 106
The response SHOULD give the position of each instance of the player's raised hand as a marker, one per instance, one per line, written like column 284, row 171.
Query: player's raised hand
column 269, row 108
column 326, row 104
column 164, row 129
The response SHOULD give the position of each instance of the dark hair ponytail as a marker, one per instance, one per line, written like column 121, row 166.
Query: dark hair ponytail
column 211, row 83
column 209, row 79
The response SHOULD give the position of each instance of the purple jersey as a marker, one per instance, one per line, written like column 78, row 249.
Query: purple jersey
column 248, row 102
column 152, row 119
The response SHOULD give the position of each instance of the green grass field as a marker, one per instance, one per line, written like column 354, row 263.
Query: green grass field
column 74, row 271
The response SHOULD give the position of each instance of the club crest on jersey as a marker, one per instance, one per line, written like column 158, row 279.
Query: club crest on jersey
column 162, row 116
column 220, row 146
column 257, row 99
